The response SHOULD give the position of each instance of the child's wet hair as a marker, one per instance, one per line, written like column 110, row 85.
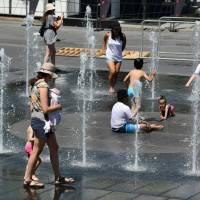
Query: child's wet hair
column 162, row 97
column 138, row 63
column 121, row 95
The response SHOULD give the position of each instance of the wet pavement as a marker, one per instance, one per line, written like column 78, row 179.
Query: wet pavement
column 164, row 156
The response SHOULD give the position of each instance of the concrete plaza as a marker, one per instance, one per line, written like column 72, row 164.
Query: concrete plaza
column 165, row 155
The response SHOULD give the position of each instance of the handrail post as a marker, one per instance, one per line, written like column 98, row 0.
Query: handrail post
column 142, row 37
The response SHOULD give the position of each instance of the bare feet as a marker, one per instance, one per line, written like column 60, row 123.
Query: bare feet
column 111, row 90
column 33, row 184
column 35, row 178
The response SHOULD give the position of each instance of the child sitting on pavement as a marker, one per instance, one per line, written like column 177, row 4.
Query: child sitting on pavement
column 122, row 120
column 133, row 80
column 166, row 110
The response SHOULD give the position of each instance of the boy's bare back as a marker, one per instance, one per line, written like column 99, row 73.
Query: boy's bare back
column 133, row 76
column 136, row 75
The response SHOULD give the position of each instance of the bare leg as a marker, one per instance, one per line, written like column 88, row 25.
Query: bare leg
column 111, row 67
column 47, row 54
column 34, row 177
column 156, row 127
column 133, row 108
column 137, row 106
column 50, row 53
column 117, row 70
column 53, row 54
column 150, row 127
column 53, row 149
column 31, row 165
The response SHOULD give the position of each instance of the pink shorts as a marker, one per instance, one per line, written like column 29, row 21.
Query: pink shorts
column 28, row 148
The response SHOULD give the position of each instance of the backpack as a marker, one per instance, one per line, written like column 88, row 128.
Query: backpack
column 42, row 29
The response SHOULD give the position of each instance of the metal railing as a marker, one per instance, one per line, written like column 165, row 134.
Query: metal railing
column 171, row 20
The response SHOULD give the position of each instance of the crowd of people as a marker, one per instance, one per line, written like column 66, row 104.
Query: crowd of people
column 46, row 108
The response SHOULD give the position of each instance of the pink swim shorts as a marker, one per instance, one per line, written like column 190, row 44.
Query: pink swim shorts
column 28, row 148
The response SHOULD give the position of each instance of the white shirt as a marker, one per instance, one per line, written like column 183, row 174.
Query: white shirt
column 197, row 70
column 121, row 114
column 55, row 116
column 114, row 49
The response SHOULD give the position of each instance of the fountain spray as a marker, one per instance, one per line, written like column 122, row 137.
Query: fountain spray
column 154, row 59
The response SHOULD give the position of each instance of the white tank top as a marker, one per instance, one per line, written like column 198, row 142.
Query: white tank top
column 114, row 49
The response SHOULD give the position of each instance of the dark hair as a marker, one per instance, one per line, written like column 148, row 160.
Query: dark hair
column 138, row 63
column 162, row 97
column 116, row 26
column 121, row 95
column 32, row 81
column 49, row 12
column 40, row 75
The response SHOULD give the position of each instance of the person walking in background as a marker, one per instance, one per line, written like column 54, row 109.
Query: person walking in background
column 51, row 25
column 114, row 43
column 40, row 110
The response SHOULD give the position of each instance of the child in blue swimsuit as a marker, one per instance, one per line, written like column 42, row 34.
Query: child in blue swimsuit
column 132, row 79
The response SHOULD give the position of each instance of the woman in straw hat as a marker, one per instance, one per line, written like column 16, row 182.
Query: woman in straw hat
column 51, row 26
column 39, row 115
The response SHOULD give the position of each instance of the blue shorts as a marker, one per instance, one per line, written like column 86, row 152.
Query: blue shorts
column 130, row 92
column 127, row 128
column 38, row 127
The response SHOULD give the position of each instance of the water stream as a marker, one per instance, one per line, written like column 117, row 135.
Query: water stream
column 4, row 65
column 195, row 140
column 153, row 37
column 85, row 82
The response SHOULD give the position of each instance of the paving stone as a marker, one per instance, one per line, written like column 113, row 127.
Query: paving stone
column 173, row 199
column 100, row 183
column 158, row 187
column 118, row 196
column 90, row 194
column 128, row 186
column 196, row 197
column 148, row 197
column 184, row 191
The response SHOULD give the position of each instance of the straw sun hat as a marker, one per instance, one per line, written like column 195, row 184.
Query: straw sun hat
column 48, row 68
column 49, row 7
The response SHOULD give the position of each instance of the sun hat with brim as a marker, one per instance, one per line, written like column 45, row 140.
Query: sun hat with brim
column 49, row 7
column 48, row 68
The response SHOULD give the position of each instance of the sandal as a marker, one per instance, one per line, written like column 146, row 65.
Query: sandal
column 63, row 180
column 33, row 184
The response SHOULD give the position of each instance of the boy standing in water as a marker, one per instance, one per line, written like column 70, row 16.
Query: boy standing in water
column 132, row 79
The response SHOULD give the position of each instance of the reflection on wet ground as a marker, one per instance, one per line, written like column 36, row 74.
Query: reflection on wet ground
column 164, row 154
column 172, row 87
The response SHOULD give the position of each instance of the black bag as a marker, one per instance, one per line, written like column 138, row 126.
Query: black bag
column 42, row 29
